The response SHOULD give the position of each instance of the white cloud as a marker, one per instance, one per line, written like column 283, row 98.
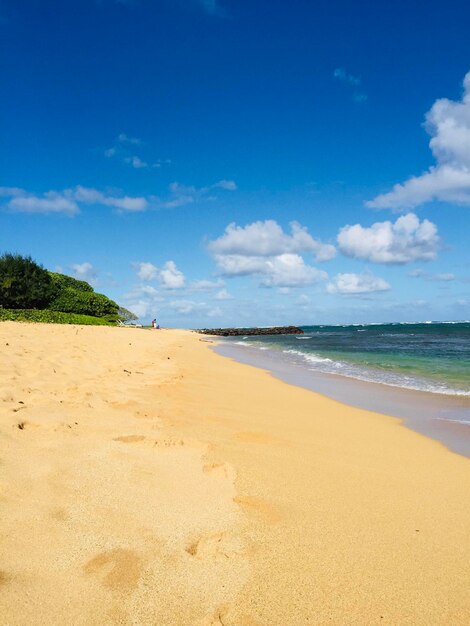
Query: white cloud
column 284, row 270
column 136, row 162
column 141, row 308
column 146, row 271
column 170, row 276
column 268, row 239
column 84, row 271
column 240, row 265
column 69, row 201
column 303, row 299
column 206, row 285
column 263, row 249
column 143, row 300
column 223, row 294
column 349, row 284
column 448, row 123
column 49, row 202
column 187, row 194
column 124, row 150
column 443, row 276
column 290, row 270
column 188, row 307
column 6, row 192
column 215, row 312
column 123, row 138
column 229, row 185
column 406, row 240
column 93, row 196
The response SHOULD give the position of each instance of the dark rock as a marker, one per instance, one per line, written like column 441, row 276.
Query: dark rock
column 237, row 332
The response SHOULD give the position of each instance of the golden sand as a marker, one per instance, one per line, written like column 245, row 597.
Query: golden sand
column 145, row 480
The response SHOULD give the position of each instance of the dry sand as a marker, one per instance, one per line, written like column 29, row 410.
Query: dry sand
column 145, row 480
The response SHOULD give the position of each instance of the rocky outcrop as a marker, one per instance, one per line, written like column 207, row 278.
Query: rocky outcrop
column 237, row 332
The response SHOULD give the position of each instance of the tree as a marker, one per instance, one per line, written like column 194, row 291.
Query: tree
column 24, row 284
column 125, row 315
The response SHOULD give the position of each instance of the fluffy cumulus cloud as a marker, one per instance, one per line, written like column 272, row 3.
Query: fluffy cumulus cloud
column 268, row 239
column 283, row 270
column 448, row 123
column 264, row 250
column 146, row 271
column 398, row 242
column 290, row 270
column 84, row 271
column 169, row 276
column 350, row 284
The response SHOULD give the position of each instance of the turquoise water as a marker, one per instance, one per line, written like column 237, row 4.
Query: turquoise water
column 431, row 356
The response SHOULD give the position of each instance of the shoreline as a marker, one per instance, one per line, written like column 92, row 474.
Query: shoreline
column 441, row 417
column 170, row 485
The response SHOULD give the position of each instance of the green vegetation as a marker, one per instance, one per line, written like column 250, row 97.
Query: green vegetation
column 61, row 281
column 51, row 317
column 24, row 284
column 125, row 315
column 77, row 296
column 28, row 292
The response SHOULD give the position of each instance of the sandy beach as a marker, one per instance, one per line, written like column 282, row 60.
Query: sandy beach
column 146, row 480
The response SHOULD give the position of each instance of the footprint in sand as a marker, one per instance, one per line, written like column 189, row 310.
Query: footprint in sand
column 120, row 569
column 59, row 514
column 129, row 438
column 220, row 470
column 262, row 509
column 218, row 547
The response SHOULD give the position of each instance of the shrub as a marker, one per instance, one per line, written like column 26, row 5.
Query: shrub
column 52, row 317
column 24, row 284
column 61, row 281
column 71, row 300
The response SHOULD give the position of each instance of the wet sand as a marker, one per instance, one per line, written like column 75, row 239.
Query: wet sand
column 147, row 480
column 442, row 417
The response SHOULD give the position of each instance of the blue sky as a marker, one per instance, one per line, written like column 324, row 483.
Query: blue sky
column 235, row 162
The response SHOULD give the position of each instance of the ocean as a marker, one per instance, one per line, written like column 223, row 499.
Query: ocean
column 432, row 357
